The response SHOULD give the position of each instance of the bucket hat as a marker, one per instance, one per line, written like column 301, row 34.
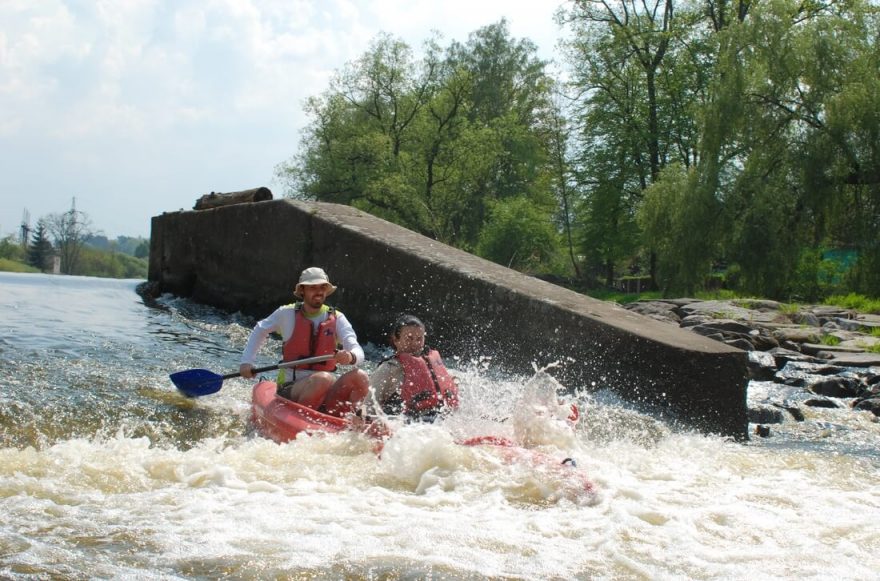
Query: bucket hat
column 313, row 276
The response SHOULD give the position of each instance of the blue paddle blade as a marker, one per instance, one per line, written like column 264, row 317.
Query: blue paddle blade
column 196, row 382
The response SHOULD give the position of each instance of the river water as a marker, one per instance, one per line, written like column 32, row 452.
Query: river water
column 107, row 472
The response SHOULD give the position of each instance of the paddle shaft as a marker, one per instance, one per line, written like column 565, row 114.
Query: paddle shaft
column 297, row 363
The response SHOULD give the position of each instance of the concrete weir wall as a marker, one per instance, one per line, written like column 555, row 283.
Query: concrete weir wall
column 247, row 258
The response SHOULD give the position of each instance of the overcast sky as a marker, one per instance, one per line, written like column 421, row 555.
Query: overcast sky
column 137, row 107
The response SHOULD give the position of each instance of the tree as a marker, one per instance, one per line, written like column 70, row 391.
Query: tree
column 510, row 108
column 69, row 232
column 636, row 76
column 790, row 140
column 563, row 179
column 641, row 35
column 519, row 235
column 769, row 109
column 431, row 143
column 40, row 251
column 142, row 250
column 11, row 249
column 358, row 148
column 111, row 264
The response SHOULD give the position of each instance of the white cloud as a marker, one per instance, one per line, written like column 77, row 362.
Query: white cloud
column 140, row 106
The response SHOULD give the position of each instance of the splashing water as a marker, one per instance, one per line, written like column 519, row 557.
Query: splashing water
column 107, row 472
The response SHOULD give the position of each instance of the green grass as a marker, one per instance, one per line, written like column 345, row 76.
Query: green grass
column 856, row 302
column 94, row 262
column 852, row 301
column 623, row 298
column 875, row 348
column 717, row 295
column 8, row 265
column 830, row 340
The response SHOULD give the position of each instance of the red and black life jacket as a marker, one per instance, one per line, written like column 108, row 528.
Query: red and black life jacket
column 427, row 385
column 305, row 342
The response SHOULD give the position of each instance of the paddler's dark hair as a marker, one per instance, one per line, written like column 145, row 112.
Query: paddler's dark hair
column 404, row 320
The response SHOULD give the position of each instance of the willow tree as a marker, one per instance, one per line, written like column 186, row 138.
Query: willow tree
column 635, row 81
column 770, row 112
column 791, row 140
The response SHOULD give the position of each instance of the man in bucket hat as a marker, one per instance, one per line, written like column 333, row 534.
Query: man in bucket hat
column 309, row 328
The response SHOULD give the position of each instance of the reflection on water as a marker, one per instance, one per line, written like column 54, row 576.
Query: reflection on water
column 81, row 357
column 106, row 471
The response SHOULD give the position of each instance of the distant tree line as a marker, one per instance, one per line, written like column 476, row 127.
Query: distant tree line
column 685, row 140
column 69, row 237
column 131, row 245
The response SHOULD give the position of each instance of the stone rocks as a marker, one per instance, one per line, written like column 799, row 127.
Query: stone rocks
column 820, row 331
column 814, row 355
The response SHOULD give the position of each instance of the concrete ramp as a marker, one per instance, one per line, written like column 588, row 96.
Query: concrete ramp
column 247, row 258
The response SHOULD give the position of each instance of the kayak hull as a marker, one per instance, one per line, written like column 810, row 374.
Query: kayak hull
column 564, row 471
column 282, row 420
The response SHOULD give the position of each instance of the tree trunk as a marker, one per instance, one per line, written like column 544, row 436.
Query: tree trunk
column 215, row 199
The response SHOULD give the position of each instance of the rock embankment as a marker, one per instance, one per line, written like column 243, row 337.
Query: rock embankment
column 815, row 355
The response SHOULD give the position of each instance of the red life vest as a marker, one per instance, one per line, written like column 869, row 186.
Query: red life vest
column 305, row 342
column 427, row 384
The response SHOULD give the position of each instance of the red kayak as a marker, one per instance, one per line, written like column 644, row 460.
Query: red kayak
column 281, row 420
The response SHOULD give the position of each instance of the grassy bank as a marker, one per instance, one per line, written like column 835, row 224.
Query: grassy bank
column 852, row 301
column 7, row 265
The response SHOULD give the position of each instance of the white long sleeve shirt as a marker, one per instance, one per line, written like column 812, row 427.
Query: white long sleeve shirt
column 386, row 380
column 282, row 321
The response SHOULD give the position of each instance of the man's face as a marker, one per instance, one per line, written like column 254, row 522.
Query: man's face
column 314, row 295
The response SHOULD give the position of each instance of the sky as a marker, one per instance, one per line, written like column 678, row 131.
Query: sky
column 132, row 108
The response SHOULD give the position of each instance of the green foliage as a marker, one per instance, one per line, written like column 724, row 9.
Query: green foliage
column 817, row 276
column 142, row 250
column 640, row 84
column 40, row 251
column 134, row 246
column 717, row 295
column 11, row 250
column 793, row 160
column 519, row 236
column 609, row 231
column 693, row 137
column 854, row 301
column 775, row 108
column 623, row 298
column 94, row 262
column 82, row 252
column 864, row 277
column 677, row 218
column 10, row 265
column 431, row 143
